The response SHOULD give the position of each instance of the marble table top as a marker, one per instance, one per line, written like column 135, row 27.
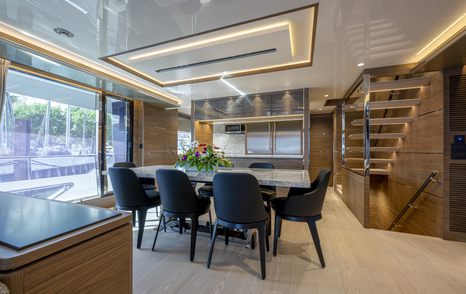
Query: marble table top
column 268, row 177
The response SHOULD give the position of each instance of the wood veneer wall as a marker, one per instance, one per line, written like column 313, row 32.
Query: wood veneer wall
column 155, row 134
column 321, row 144
column 337, row 148
column 420, row 153
column 203, row 133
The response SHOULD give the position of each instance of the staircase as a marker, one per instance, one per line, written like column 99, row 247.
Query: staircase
column 383, row 142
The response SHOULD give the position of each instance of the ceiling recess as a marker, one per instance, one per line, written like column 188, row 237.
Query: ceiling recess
column 217, row 60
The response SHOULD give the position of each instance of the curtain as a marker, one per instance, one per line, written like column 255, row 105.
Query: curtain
column 4, row 65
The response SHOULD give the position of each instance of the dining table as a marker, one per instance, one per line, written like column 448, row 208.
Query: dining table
column 287, row 178
column 267, row 177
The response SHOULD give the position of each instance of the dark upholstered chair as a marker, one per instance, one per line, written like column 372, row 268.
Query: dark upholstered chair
column 239, row 205
column 130, row 195
column 147, row 183
column 268, row 192
column 207, row 190
column 179, row 200
column 302, row 206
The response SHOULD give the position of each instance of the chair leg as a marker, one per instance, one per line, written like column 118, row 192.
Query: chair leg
column 194, row 222
column 278, row 224
column 164, row 222
column 133, row 212
column 262, row 235
column 280, row 229
column 210, row 223
column 158, row 229
column 180, row 225
column 269, row 223
column 315, row 237
column 225, row 231
column 142, row 221
column 212, row 244
column 157, row 211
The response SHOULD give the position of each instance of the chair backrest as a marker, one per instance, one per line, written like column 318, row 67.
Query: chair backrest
column 238, row 199
column 265, row 165
column 311, row 203
column 124, row 164
column 176, row 192
column 126, row 187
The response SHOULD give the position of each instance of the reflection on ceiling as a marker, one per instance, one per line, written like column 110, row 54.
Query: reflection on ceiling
column 348, row 32
column 284, row 40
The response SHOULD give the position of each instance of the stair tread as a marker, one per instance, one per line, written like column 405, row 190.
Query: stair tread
column 383, row 121
column 377, row 105
column 374, row 171
column 383, row 149
column 378, row 136
column 372, row 160
column 403, row 84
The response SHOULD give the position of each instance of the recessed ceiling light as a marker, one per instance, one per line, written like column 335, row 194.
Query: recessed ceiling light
column 360, row 64
column 326, row 95
column 63, row 32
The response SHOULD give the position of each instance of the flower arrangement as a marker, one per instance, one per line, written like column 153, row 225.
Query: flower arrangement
column 202, row 157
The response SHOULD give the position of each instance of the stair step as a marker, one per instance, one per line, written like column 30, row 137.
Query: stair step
column 404, row 84
column 377, row 136
column 377, row 105
column 373, row 149
column 374, row 171
column 383, row 121
column 373, row 160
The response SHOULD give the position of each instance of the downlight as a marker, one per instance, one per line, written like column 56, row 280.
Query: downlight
column 63, row 32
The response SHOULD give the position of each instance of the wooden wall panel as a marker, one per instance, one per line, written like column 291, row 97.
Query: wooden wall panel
column 321, row 144
column 337, row 147
column 354, row 195
column 155, row 129
column 203, row 133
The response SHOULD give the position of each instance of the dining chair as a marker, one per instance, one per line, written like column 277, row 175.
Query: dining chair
column 147, row 183
column 130, row 195
column 179, row 200
column 303, row 207
column 239, row 205
column 207, row 190
column 268, row 192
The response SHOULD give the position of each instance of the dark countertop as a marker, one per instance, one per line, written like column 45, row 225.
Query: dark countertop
column 26, row 221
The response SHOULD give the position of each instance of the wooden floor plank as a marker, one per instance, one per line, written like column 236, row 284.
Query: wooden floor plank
column 358, row 260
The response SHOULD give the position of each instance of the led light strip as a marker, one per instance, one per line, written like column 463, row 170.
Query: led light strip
column 444, row 36
column 212, row 40
column 34, row 43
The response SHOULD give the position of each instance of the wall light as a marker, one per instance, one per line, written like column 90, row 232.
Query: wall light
column 326, row 95
column 360, row 64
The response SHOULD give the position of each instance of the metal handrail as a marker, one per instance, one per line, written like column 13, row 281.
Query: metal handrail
column 413, row 199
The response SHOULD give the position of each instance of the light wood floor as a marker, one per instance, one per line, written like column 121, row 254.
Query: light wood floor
column 358, row 261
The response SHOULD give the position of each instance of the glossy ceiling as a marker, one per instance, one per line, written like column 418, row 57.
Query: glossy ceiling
column 375, row 32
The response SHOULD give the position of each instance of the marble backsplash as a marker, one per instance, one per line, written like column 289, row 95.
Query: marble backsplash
column 232, row 144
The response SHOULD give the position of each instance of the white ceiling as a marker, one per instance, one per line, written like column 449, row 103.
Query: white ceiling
column 376, row 32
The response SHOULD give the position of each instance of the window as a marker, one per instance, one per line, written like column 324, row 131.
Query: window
column 184, row 133
column 49, row 139
column 117, row 133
